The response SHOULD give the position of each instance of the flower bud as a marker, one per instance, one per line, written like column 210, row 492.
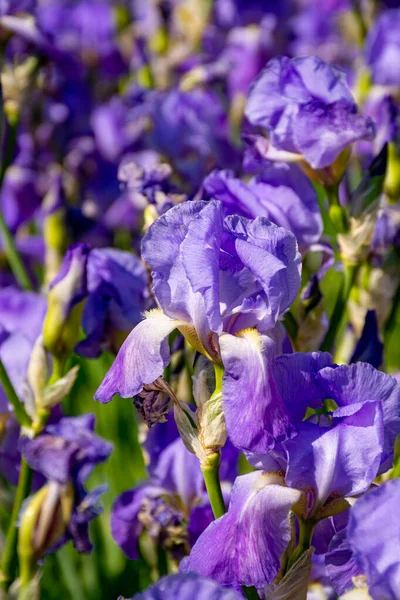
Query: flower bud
column 54, row 231
column 392, row 180
column 44, row 520
column 203, row 432
column 66, row 302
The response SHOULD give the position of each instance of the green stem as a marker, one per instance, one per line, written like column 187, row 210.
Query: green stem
column 213, row 485
column 250, row 593
column 350, row 273
column 291, row 325
column 9, row 555
column 305, row 537
column 19, row 409
column 391, row 320
column 13, row 256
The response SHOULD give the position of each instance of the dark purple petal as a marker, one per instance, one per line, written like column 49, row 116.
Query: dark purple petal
column 67, row 450
column 125, row 525
column 341, row 566
column 297, row 382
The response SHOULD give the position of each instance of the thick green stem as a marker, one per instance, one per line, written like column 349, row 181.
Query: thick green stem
column 10, row 550
column 19, row 409
column 350, row 273
column 13, row 256
column 213, row 485
column 305, row 536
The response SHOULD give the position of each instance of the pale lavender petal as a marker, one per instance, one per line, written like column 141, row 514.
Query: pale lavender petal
column 360, row 382
column 142, row 358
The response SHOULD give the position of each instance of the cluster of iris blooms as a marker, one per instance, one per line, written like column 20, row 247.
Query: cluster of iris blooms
column 199, row 213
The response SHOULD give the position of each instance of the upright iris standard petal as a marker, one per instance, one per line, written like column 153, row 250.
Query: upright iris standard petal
column 374, row 534
column 307, row 108
column 270, row 253
column 200, row 252
column 187, row 587
column 254, row 412
column 141, row 360
column 245, row 546
column 182, row 248
column 327, row 460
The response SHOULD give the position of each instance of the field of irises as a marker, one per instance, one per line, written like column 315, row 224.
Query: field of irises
column 200, row 299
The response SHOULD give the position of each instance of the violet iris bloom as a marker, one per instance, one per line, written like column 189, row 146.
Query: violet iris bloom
column 369, row 544
column 215, row 277
column 308, row 110
column 65, row 454
column 187, row 587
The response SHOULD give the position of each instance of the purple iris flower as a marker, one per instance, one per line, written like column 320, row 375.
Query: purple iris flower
column 382, row 49
column 307, row 108
column 331, row 406
column 65, row 454
column 187, row 587
column 368, row 546
column 173, row 507
column 281, row 192
column 316, row 470
column 215, row 278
